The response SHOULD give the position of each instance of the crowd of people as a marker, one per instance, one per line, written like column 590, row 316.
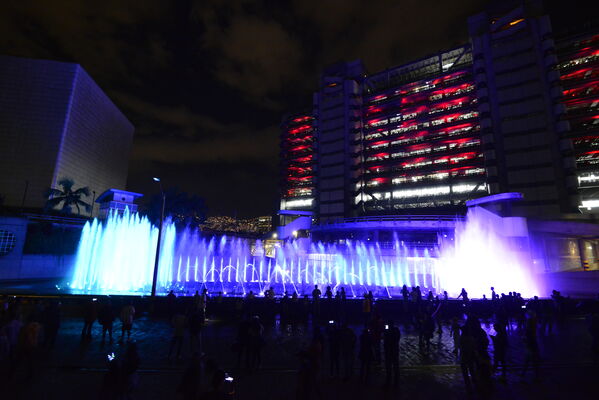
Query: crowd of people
column 378, row 341
column 348, row 338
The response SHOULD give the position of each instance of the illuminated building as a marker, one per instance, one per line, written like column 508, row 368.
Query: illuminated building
column 297, row 162
column 55, row 122
column 513, row 110
column 578, row 56
column 420, row 146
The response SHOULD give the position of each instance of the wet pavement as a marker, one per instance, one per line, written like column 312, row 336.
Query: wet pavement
column 75, row 368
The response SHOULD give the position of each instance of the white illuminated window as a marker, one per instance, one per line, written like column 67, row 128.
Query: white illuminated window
column 588, row 204
column 381, row 195
column 298, row 203
column 378, row 146
column 373, row 136
column 380, row 122
column 420, row 192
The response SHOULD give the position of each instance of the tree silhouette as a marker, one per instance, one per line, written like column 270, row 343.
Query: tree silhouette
column 67, row 196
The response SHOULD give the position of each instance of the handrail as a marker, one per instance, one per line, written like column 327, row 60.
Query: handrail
column 394, row 218
column 59, row 219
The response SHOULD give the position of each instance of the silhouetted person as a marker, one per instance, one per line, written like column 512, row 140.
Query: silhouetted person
column 130, row 364
column 437, row 315
column 343, row 295
column 468, row 354
column 377, row 327
column 27, row 348
column 334, row 336
column 328, row 293
column 195, row 331
column 51, row 324
column 348, row 350
column 365, row 355
column 307, row 383
column 391, row 339
column 171, row 300
column 217, row 381
column 112, row 385
column 106, row 317
column 255, row 342
column 532, row 346
column 366, row 308
column 500, row 343
column 546, row 317
column 316, row 302
column 594, row 331
column 127, row 316
column 12, row 329
column 484, row 368
column 455, row 334
column 493, row 294
column 189, row 388
column 4, row 354
column 417, row 294
column 428, row 327
column 90, row 313
column 405, row 292
column 464, row 295
column 243, row 343
column 306, row 379
column 179, row 323
column 203, row 301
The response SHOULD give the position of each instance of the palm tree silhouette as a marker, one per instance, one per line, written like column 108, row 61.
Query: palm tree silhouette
column 67, row 196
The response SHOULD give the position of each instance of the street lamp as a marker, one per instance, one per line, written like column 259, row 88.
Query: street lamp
column 91, row 214
column 156, row 260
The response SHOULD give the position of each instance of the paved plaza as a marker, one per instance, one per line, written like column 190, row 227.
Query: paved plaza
column 75, row 369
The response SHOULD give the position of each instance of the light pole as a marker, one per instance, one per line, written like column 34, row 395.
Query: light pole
column 91, row 214
column 157, row 259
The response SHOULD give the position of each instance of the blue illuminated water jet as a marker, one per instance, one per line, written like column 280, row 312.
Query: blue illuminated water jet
column 117, row 256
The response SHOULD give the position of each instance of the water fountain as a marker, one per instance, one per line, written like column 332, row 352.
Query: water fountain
column 117, row 256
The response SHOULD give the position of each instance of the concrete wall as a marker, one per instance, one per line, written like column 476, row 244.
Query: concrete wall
column 10, row 264
column 16, row 265
column 34, row 101
column 40, row 266
column 515, row 75
column 575, row 284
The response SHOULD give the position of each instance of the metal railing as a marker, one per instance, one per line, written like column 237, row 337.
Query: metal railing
column 393, row 218
column 57, row 219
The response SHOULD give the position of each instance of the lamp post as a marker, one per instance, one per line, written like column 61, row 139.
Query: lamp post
column 91, row 213
column 157, row 259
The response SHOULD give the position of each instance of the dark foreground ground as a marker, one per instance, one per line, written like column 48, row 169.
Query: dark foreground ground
column 75, row 368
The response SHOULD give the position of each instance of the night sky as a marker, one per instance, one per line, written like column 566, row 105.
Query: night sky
column 206, row 82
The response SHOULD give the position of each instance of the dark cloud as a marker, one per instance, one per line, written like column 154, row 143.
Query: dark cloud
column 256, row 55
